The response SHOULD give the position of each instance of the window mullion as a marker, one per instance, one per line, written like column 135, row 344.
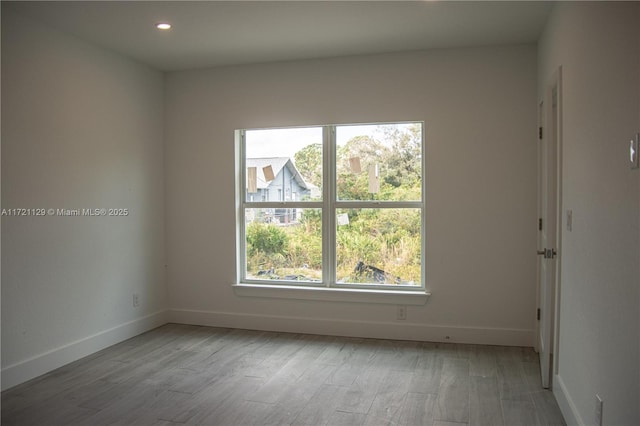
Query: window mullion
column 241, row 271
column 283, row 205
column 378, row 205
column 328, row 211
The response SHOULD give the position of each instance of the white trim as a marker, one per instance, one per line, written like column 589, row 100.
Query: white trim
column 566, row 404
column 394, row 330
column 333, row 294
column 560, row 221
column 35, row 366
column 328, row 206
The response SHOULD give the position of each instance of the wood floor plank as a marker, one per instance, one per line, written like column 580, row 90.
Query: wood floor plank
column 453, row 350
column 339, row 350
column 245, row 413
column 396, row 355
column 296, row 395
column 360, row 359
column 229, row 407
column 515, row 353
column 484, row 402
column 287, row 346
column 164, row 423
column 52, row 385
column 192, row 375
column 391, row 395
column 205, row 402
column 517, row 379
column 125, row 408
column 483, row 361
column 444, row 423
column 153, row 340
column 520, row 413
column 428, row 371
column 342, row 418
column 138, row 408
column 63, row 413
column 418, row 409
column 292, row 367
column 532, row 376
column 321, row 406
column 371, row 420
column 453, row 395
column 237, row 344
column 362, row 392
column 547, row 408
column 101, row 394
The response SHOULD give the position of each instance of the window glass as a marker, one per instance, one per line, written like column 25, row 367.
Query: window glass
column 352, row 219
column 283, row 163
column 378, row 246
column 283, row 244
column 379, row 162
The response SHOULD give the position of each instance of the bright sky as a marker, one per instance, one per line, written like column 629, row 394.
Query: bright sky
column 281, row 142
column 286, row 142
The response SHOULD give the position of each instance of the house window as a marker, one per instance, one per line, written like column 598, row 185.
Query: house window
column 353, row 208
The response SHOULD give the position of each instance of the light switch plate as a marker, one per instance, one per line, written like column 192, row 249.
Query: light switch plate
column 633, row 151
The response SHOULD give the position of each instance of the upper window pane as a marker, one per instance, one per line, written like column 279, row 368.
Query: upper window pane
column 380, row 162
column 283, row 164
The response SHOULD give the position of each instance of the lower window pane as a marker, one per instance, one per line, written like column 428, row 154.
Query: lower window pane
column 284, row 244
column 379, row 246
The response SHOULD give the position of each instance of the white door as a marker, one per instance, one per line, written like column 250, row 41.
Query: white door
column 548, row 234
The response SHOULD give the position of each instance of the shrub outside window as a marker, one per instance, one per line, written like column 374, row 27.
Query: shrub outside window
column 332, row 206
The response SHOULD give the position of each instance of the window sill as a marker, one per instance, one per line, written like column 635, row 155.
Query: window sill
column 333, row 294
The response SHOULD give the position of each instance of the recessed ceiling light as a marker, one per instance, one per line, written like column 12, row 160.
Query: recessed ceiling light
column 163, row 26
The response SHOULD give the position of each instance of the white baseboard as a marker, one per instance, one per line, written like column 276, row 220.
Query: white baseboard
column 28, row 369
column 565, row 402
column 398, row 330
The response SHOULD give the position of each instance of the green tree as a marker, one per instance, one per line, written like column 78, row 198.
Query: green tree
column 404, row 158
column 267, row 239
column 309, row 162
column 354, row 186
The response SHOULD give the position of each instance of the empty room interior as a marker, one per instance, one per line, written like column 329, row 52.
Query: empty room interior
column 459, row 242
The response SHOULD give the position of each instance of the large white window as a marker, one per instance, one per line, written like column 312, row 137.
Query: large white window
column 332, row 206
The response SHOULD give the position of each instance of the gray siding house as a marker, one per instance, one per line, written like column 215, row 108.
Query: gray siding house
column 287, row 185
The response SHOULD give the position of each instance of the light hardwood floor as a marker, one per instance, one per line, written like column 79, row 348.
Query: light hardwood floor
column 179, row 374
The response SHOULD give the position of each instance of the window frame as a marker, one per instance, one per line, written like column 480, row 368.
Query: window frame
column 329, row 205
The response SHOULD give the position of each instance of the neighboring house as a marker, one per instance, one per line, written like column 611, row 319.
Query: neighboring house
column 287, row 185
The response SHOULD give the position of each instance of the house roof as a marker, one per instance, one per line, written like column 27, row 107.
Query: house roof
column 277, row 164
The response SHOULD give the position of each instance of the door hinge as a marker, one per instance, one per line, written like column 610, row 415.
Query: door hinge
column 538, row 314
column 540, row 132
column 540, row 224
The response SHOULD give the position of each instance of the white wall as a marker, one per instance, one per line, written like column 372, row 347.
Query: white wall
column 598, row 47
column 81, row 128
column 479, row 106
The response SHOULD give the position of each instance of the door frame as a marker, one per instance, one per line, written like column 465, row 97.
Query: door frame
column 550, row 121
column 556, row 84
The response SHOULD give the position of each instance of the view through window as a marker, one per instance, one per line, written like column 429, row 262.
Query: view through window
column 333, row 205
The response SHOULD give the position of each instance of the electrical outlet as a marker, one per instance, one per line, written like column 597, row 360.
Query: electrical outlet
column 569, row 220
column 599, row 404
column 136, row 300
column 402, row 312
